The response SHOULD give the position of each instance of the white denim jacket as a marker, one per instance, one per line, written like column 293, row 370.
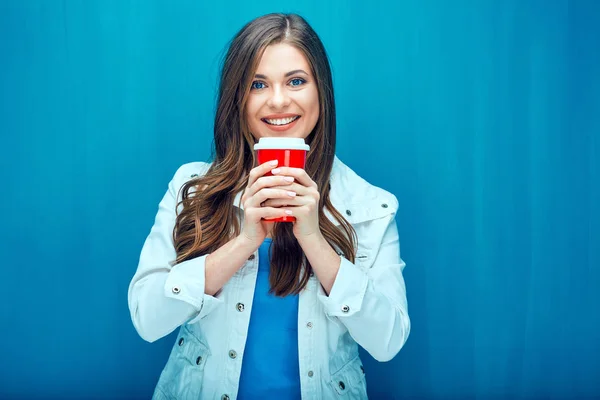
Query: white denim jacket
column 367, row 304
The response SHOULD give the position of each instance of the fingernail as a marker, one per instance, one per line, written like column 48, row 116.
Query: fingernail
column 288, row 212
column 293, row 194
column 289, row 178
column 274, row 163
column 275, row 171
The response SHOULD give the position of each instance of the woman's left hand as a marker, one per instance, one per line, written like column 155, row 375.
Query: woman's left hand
column 304, row 205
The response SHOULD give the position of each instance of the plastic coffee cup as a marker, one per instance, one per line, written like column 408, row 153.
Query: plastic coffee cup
column 289, row 152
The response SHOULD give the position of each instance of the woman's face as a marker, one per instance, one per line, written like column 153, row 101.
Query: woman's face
column 283, row 100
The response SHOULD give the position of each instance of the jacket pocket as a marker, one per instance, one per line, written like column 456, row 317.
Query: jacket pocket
column 349, row 382
column 183, row 374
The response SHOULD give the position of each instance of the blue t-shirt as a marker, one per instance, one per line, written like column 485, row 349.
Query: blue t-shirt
column 270, row 362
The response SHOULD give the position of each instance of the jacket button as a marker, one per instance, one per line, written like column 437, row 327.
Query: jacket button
column 224, row 397
column 240, row 307
column 384, row 205
column 310, row 374
column 198, row 360
column 232, row 354
column 348, row 212
column 345, row 309
column 176, row 289
column 311, row 274
column 251, row 257
column 309, row 325
column 341, row 385
column 180, row 341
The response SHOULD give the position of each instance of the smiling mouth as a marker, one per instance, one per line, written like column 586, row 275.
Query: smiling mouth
column 280, row 121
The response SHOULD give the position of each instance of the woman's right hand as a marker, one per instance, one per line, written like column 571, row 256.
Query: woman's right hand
column 260, row 189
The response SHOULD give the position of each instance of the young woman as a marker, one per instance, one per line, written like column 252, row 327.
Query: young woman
column 271, row 310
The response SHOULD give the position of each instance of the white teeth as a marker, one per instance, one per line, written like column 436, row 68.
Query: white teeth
column 281, row 121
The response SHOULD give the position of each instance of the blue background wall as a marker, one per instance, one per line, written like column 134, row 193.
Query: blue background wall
column 482, row 117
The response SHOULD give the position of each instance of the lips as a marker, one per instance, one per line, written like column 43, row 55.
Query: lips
column 280, row 120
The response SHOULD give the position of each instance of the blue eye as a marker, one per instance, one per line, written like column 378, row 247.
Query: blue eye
column 297, row 82
column 257, row 85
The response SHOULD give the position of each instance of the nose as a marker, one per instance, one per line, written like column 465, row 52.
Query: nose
column 279, row 98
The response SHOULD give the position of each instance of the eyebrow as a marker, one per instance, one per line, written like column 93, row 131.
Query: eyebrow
column 294, row 72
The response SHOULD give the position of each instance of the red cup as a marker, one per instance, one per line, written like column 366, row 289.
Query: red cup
column 289, row 152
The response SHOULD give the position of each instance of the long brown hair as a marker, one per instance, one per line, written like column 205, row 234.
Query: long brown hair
column 208, row 219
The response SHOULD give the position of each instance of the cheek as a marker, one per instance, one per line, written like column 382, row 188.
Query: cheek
column 314, row 100
column 251, row 110
column 311, row 107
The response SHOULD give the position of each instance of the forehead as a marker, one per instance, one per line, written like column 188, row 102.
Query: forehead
column 280, row 58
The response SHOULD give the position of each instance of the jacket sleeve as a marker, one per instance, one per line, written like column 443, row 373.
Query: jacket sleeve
column 372, row 303
column 162, row 297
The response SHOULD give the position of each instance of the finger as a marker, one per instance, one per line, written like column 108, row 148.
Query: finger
column 270, row 181
column 259, row 171
column 298, row 173
column 254, row 215
column 266, row 194
column 255, row 174
column 300, row 190
column 307, row 196
column 297, row 201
